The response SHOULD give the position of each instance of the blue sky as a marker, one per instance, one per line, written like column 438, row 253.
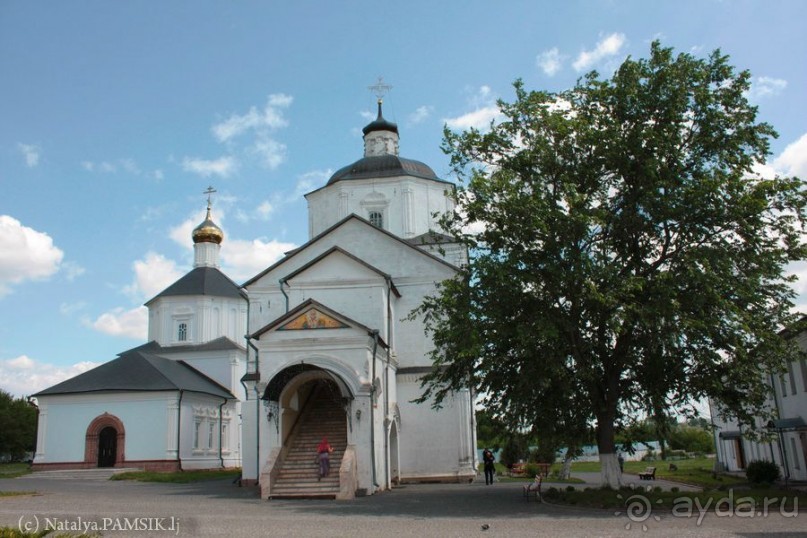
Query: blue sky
column 116, row 116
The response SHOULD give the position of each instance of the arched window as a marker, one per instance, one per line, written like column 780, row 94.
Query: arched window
column 377, row 219
column 182, row 332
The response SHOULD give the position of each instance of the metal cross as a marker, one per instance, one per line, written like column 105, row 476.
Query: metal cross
column 380, row 88
column 210, row 190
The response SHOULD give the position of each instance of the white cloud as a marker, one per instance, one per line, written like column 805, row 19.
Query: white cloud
column 158, row 175
column 223, row 167
column 793, row 160
column 181, row 234
column 265, row 210
column 152, row 275
column 310, row 181
column 244, row 259
column 25, row 254
column 72, row 270
column 31, row 152
column 271, row 152
column 23, row 376
column 420, row 114
column 762, row 87
column 68, row 309
column 121, row 322
column 270, row 118
column 608, row 46
column 550, row 61
column 367, row 115
column 485, row 111
column 478, row 119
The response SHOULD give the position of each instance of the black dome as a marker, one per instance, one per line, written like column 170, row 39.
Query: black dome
column 383, row 166
column 380, row 124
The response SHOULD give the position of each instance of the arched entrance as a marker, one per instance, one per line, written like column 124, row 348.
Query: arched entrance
column 104, row 442
column 307, row 403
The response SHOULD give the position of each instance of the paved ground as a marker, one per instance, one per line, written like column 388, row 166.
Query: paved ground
column 219, row 508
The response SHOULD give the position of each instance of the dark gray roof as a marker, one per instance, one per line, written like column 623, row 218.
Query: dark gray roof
column 203, row 281
column 219, row 344
column 138, row 371
column 430, row 238
column 384, row 166
column 795, row 423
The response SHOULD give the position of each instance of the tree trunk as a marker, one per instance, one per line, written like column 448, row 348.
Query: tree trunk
column 566, row 470
column 610, row 475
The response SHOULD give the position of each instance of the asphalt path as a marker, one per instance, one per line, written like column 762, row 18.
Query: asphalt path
column 219, row 508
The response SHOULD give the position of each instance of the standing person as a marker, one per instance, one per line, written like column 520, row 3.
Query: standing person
column 488, row 459
column 621, row 461
column 324, row 450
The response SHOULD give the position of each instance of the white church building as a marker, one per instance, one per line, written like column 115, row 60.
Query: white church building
column 328, row 353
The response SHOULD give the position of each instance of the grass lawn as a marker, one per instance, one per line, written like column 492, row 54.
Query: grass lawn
column 180, row 477
column 696, row 471
column 16, row 493
column 13, row 470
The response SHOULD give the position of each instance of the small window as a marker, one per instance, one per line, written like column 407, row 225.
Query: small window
column 377, row 219
column 182, row 332
column 211, row 429
column 197, row 426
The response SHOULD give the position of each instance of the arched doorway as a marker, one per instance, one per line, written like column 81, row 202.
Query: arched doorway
column 107, row 447
column 104, row 442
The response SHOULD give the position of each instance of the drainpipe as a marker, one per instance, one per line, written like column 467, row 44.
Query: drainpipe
column 221, row 426
column 282, row 281
column 372, row 414
column 386, row 383
column 779, row 438
column 179, row 428
column 257, row 413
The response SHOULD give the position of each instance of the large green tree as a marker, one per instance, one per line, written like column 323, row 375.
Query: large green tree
column 625, row 258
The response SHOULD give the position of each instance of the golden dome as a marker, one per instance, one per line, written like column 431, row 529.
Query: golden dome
column 207, row 232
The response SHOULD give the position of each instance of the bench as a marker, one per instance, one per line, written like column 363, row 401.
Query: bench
column 517, row 469
column 647, row 474
column 533, row 489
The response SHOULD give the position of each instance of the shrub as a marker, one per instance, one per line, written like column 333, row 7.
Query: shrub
column 569, row 488
column 762, row 472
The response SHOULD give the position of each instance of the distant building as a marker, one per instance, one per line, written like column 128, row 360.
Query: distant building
column 787, row 443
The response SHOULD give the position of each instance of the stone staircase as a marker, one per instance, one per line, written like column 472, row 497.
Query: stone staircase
column 298, row 475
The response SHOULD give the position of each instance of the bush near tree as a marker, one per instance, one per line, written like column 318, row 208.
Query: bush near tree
column 17, row 426
column 762, row 472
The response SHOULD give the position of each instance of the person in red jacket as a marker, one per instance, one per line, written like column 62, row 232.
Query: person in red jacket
column 324, row 450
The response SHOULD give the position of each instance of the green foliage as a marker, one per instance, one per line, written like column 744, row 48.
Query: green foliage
column 628, row 257
column 543, row 453
column 17, row 426
column 490, row 431
column 762, row 472
column 514, row 450
column 691, row 439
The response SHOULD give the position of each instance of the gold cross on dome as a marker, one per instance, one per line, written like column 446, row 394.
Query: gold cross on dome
column 210, row 190
column 380, row 89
